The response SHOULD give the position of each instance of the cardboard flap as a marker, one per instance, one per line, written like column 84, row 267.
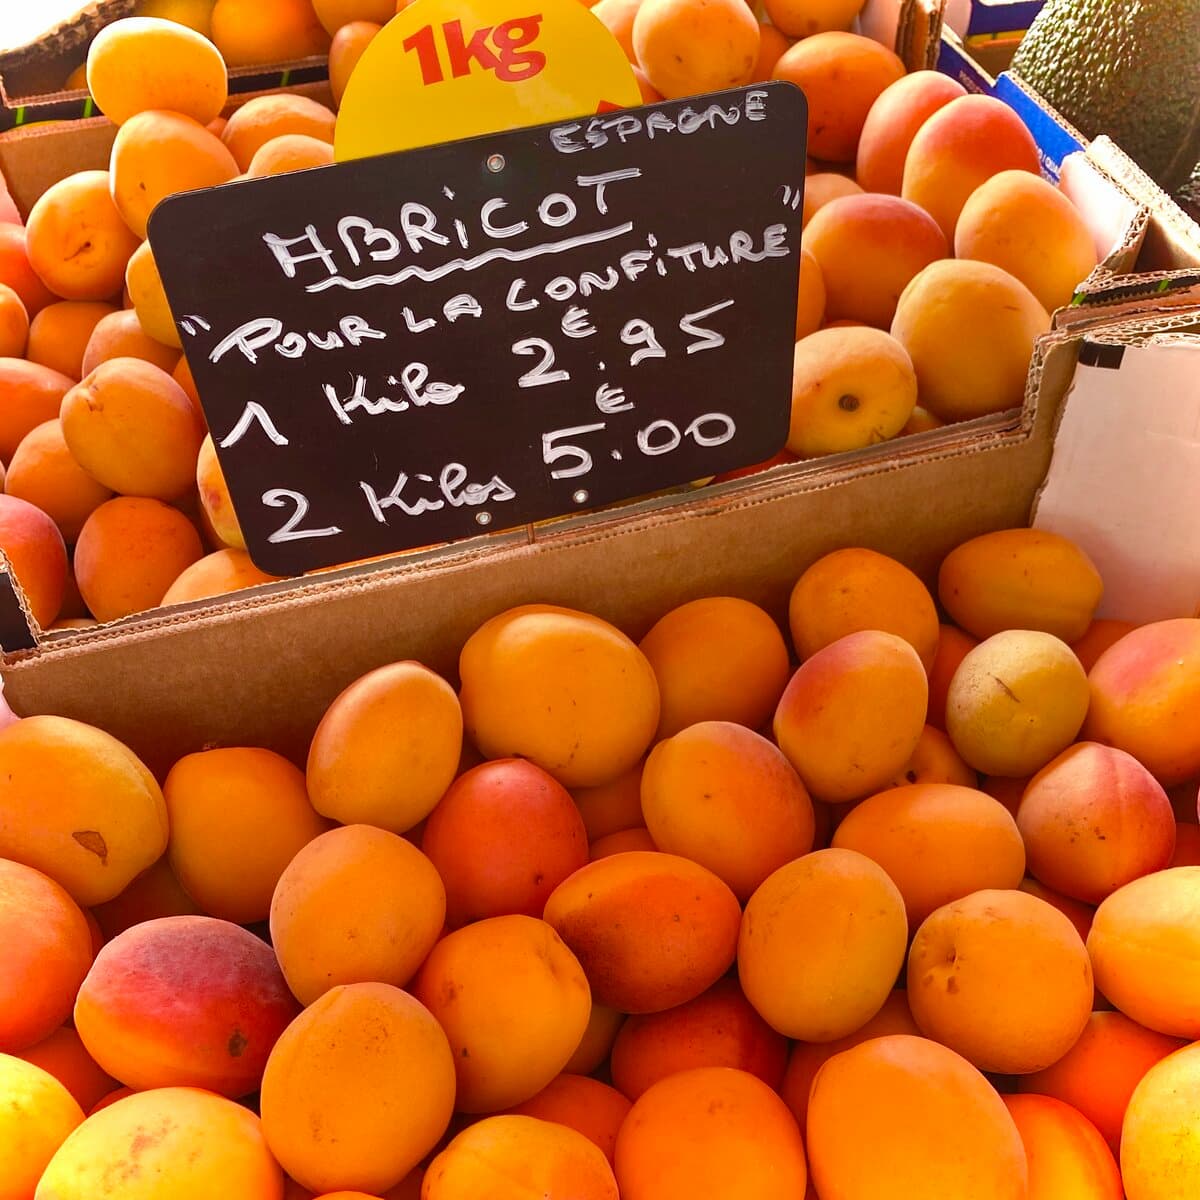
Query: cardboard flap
column 18, row 630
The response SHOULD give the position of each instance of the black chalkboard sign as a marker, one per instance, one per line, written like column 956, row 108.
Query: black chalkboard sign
column 424, row 346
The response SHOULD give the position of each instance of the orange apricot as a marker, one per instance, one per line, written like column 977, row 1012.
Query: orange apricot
column 120, row 335
column 1068, row 1159
column 387, row 748
column 687, row 48
column 256, row 32
column 59, row 334
column 512, row 1157
column 597, row 1042
column 14, row 324
column 195, row 14
column 220, row 1141
column 725, row 797
column 215, row 499
column 651, row 930
column 36, row 1118
column 355, row 904
column 1159, row 1158
column 129, row 552
column 611, row 807
column 256, row 122
column 1187, row 846
column 1098, row 637
column 37, row 554
column 564, row 689
column 719, row 1028
column 16, row 272
column 810, row 298
column 64, row 1056
column 77, row 241
column 617, row 17
column 803, row 18
column 650, row 94
column 1002, row 978
column 336, row 14
column 936, row 761
column 952, row 647
column 216, row 574
column 149, row 297
column 502, row 838
column 772, row 43
column 637, row 838
column 47, row 953
column 823, row 188
column 32, row 394
column 820, row 945
column 585, row 1105
column 1079, row 914
column 841, row 74
column 152, row 894
column 852, row 714
column 145, row 63
column 514, row 1003
column 712, row 1131
column 289, row 152
column 933, row 1124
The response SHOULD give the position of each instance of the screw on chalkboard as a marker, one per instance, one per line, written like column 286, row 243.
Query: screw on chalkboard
column 495, row 163
column 580, row 497
column 483, row 518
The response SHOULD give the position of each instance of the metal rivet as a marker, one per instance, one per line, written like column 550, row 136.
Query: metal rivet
column 495, row 163
column 580, row 497
column 483, row 518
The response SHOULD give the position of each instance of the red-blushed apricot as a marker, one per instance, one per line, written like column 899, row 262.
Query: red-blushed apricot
column 564, row 689
column 129, row 552
column 77, row 241
column 45, row 473
column 1146, row 698
column 38, row 556
column 719, row 1028
column 14, row 324
column 685, row 49
column 725, row 797
column 1079, row 914
column 1159, row 1157
column 613, row 806
column 716, row 659
column 214, row 498
column 852, row 714
column 512, row 1157
column 849, row 591
column 47, row 953
column 936, row 761
column 1093, row 820
column 262, row 118
column 821, row 943
column 387, row 748
column 184, row 1002
column 120, row 335
column 514, row 1003
column 60, row 333
column 1145, row 948
column 712, row 1131
column 79, row 806
column 953, row 646
column 650, row 94
column 112, row 1097
column 903, row 1116
column 154, row 893
column 357, row 904
column 358, row 1089
column 651, row 930
column 238, row 816
column 1099, row 1073
column 16, row 273
column 216, row 574
column 823, row 188
column 64, row 1056
column 1002, row 978
column 502, row 838
column 807, row 1058
column 637, row 838
column 597, row 1042
column 1067, row 1156
column 36, row 1117
column 937, row 842
column 585, row 1105
column 220, row 1142
column 32, row 394
column 1099, row 636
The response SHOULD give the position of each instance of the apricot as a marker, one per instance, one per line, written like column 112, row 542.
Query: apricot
column 710, row 1132
column 936, row 761
column 1002, row 978
column 810, row 298
column 120, row 335
column 514, row 1003
column 853, row 590
column 719, row 1028
column 618, row 843
column 1025, row 225
column 1187, row 846
column 611, row 807
column 566, row 690
column 585, row 1105
column 938, row 842
column 842, row 75
column 920, row 420
column 618, row 915
column 771, row 46
column 64, row 1056
column 44, row 473
column 149, row 298
column 216, row 574
column 214, row 497
column 502, row 838
column 1079, row 914
column 822, row 188
column 1099, row 1073
column 716, row 659
column 512, row 1157
column 1016, row 701
column 807, row 1058
column 597, row 1042
column 725, row 797
column 195, row 14
column 617, row 17
column 187, row 1144
column 650, row 94
column 1102, row 633
column 803, row 18
column 15, row 269
column 869, row 248
column 1067, row 1156
column 145, row 63
column 184, row 1002
column 157, row 154
column 32, row 394
column 47, row 953
column 77, row 242
column 387, row 748
column 35, row 550
column 686, row 48
column 154, row 893
column 37, row 1116
column 1158, row 1140
column 893, row 121
column 129, row 552
column 14, row 324
column 970, row 330
column 256, row 32
column 852, row 714
column 59, row 334
column 263, row 118
column 1145, row 698
column 289, row 152
column 356, row 904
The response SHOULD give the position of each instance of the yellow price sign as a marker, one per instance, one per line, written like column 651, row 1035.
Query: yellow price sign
column 448, row 69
